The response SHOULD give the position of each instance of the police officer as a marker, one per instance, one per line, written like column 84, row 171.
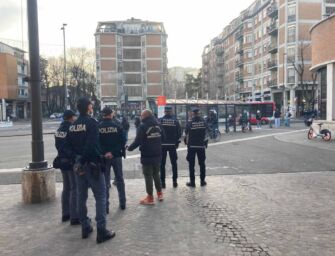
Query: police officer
column 64, row 158
column 197, row 141
column 83, row 137
column 170, row 143
column 148, row 138
column 113, row 141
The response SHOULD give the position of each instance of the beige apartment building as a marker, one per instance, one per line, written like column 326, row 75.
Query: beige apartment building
column 257, row 56
column 14, row 93
column 131, row 61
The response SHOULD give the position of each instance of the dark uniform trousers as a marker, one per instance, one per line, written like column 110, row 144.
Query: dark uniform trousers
column 173, row 159
column 98, row 186
column 201, row 154
column 116, row 163
column 69, row 194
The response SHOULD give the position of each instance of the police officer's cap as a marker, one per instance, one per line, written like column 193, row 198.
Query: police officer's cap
column 82, row 104
column 106, row 111
column 168, row 108
column 68, row 114
column 195, row 110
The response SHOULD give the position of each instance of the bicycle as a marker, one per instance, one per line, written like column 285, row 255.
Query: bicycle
column 325, row 134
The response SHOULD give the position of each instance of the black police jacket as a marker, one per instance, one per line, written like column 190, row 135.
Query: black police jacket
column 149, row 139
column 197, row 133
column 112, row 137
column 64, row 151
column 83, row 138
column 172, row 131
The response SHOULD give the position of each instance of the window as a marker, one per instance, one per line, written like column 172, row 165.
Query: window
column 330, row 10
column 291, row 34
column 290, row 54
column 248, row 39
column 290, row 75
column 133, row 91
column 291, row 11
column 132, row 66
column 249, row 69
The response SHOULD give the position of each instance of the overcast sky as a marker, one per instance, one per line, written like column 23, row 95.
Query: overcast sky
column 190, row 24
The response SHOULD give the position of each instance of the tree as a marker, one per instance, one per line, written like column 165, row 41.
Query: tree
column 308, row 88
column 193, row 85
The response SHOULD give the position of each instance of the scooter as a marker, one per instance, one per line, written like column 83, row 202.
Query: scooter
column 325, row 134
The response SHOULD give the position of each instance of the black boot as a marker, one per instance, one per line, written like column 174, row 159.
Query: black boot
column 190, row 184
column 175, row 184
column 65, row 218
column 85, row 232
column 163, row 184
column 203, row 183
column 74, row 222
column 104, row 235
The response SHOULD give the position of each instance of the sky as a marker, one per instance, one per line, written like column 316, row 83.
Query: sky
column 190, row 24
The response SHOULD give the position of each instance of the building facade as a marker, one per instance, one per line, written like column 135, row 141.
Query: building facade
column 323, row 62
column 265, row 54
column 14, row 93
column 131, row 61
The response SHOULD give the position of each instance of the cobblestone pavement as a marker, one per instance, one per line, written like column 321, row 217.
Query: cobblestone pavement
column 264, row 214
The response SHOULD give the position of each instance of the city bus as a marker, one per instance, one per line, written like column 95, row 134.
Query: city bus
column 225, row 110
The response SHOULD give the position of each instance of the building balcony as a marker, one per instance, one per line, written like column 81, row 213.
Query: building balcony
column 272, row 11
column 272, row 65
column 220, row 62
column 238, row 63
column 219, row 51
column 239, row 35
column 239, row 77
column 272, row 83
column 272, row 29
column 273, row 48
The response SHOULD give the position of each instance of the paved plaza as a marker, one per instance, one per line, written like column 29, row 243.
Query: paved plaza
column 263, row 214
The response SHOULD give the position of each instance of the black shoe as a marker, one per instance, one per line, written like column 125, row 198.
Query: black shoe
column 74, row 222
column 107, row 210
column 85, row 232
column 122, row 206
column 104, row 235
column 175, row 184
column 65, row 218
column 163, row 185
column 190, row 184
column 203, row 183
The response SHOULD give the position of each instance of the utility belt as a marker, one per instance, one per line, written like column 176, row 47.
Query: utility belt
column 94, row 168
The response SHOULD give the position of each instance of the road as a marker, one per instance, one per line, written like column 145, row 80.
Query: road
column 260, row 152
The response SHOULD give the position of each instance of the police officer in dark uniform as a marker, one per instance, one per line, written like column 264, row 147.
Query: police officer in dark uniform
column 197, row 141
column 170, row 143
column 64, row 161
column 113, row 141
column 83, row 137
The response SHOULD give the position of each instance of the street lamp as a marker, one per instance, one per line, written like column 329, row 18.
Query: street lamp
column 64, row 75
column 284, row 83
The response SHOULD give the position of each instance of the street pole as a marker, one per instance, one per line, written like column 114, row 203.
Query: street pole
column 64, row 75
column 38, row 161
column 38, row 180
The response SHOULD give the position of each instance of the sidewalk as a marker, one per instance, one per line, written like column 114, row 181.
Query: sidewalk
column 277, row 214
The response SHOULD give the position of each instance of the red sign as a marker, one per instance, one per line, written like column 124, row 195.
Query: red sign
column 161, row 101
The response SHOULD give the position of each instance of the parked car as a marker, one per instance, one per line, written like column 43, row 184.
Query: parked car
column 56, row 115
column 253, row 120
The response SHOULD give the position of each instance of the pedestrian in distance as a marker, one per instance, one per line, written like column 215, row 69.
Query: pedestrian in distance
column 259, row 119
column 170, row 143
column 83, row 137
column 125, row 126
column 137, row 122
column 64, row 161
column 149, row 140
column 113, row 141
column 288, row 116
column 277, row 116
column 197, row 141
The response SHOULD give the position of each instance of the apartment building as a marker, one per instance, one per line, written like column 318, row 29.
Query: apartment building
column 14, row 93
column 131, row 61
column 258, row 55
